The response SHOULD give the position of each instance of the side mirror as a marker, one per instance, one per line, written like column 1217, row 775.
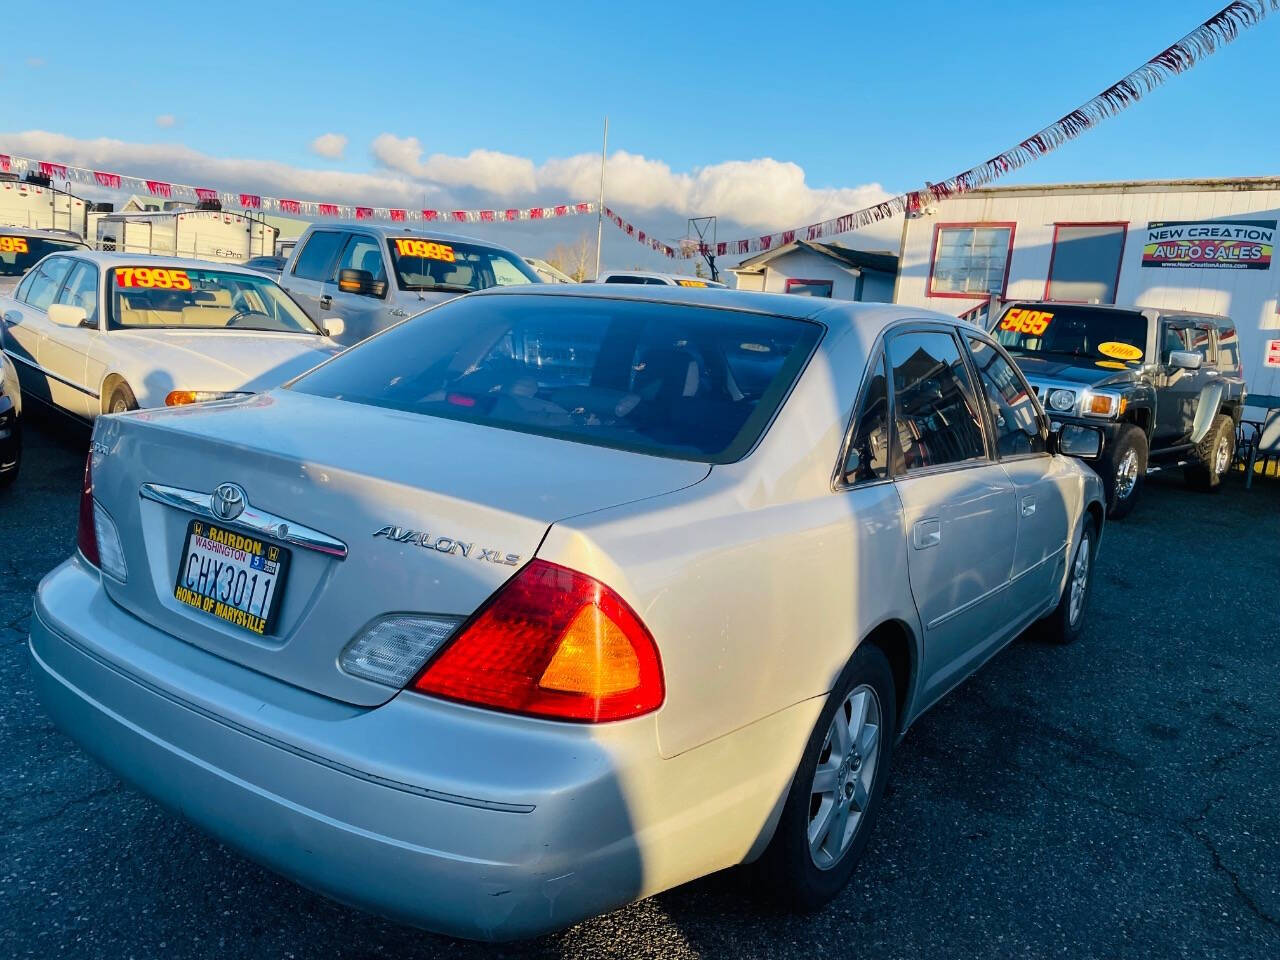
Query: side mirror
column 334, row 326
column 1077, row 440
column 65, row 315
column 1185, row 360
column 355, row 281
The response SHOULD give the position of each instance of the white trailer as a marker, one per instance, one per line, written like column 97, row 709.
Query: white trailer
column 196, row 234
column 41, row 206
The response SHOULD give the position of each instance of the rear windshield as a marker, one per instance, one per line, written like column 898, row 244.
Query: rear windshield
column 1074, row 333
column 20, row 254
column 191, row 297
column 683, row 382
column 424, row 264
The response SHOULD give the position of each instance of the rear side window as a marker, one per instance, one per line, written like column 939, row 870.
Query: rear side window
column 868, row 456
column 48, row 278
column 1228, row 349
column 674, row 381
column 313, row 261
column 935, row 415
column 625, row 279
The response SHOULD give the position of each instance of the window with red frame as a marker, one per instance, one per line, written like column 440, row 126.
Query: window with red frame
column 809, row 288
column 970, row 260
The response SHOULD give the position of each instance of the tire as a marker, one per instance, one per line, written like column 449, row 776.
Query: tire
column 1066, row 623
column 805, row 877
column 1123, row 468
column 7, row 477
column 1213, row 455
column 121, row 400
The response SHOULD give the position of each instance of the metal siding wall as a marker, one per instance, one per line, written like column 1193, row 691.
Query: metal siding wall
column 803, row 265
column 1247, row 296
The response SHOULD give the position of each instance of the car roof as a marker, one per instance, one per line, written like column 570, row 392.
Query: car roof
column 673, row 277
column 401, row 230
column 47, row 233
column 110, row 258
column 833, row 313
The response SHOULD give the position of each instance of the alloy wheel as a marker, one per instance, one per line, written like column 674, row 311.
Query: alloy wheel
column 1126, row 474
column 1222, row 457
column 1079, row 580
column 841, row 791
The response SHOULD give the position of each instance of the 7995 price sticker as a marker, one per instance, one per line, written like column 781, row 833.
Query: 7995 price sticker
column 162, row 278
column 14, row 245
column 1033, row 322
column 426, row 249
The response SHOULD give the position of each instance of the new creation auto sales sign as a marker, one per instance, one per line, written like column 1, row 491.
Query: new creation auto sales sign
column 1220, row 244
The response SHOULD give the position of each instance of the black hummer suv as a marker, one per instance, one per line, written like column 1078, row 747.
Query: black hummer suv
column 1165, row 386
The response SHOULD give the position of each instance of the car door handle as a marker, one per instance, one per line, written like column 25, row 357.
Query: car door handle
column 926, row 533
column 1028, row 506
column 326, row 302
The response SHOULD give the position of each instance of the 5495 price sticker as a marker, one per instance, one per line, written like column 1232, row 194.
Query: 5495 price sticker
column 162, row 278
column 1034, row 322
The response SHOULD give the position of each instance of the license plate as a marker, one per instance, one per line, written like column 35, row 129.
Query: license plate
column 234, row 577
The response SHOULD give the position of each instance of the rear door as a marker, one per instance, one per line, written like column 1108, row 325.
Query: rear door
column 1041, row 482
column 27, row 324
column 363, row 314
column 958, row 505
column 1178, row 393
column 64, row 351
column 311, row 268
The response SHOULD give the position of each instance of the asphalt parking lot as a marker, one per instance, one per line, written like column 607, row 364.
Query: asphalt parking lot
column 1117, row 797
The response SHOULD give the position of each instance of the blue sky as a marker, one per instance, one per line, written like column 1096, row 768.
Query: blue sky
column 854, row 95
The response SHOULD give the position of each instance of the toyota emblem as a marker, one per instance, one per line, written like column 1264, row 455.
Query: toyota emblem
column 228, row 501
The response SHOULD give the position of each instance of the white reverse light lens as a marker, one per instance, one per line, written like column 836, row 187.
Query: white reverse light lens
column 394, row 648
column 110, row 553
column 1062, row 400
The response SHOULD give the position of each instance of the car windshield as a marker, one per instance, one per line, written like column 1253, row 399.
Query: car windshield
column 195, row 298
column 424, row 264
column 1089, row 335
column 689, row 383
column 20, row 254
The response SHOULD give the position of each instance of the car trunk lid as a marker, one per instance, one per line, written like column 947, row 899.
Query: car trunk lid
column 433, row 515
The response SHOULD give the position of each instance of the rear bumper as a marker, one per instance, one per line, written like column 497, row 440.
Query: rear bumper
column 466, row 823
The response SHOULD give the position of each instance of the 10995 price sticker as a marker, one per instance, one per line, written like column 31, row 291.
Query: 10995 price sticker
column 426, row 249
column 161, row 278
column 14, row 245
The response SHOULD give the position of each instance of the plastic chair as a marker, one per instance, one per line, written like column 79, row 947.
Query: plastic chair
column 1263, row 446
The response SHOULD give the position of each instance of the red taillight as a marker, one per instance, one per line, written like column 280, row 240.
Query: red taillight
column 86, row 536
column 551, row 643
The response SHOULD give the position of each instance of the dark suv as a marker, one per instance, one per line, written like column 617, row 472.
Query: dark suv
column 1165, row 386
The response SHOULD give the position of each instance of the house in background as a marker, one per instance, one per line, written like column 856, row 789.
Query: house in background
column 820, row 270
column 1194, row 245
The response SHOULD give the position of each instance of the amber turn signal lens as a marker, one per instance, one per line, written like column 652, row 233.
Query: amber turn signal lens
column 1100, row 405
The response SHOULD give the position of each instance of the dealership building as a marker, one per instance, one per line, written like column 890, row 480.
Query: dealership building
column 1199, row 245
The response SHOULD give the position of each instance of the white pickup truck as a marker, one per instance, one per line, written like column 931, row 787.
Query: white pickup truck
column 375, row 275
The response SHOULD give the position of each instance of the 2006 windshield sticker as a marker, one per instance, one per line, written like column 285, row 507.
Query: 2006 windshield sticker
column 14, row 245
column 426, row 249
column 1033, row 322
column 1212, row 244
column 161, row 278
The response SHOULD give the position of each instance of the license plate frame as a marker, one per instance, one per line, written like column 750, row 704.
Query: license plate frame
column 257, row 548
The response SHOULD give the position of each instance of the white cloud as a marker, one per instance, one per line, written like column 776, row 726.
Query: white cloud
column 764, row 193
column 329, row 145
column 166, row 120
column 748, row 196
column 497, row 173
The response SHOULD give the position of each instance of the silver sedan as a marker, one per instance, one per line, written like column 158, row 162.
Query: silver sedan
column 550, row 599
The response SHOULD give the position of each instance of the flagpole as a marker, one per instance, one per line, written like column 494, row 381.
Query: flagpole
column 604, row 151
